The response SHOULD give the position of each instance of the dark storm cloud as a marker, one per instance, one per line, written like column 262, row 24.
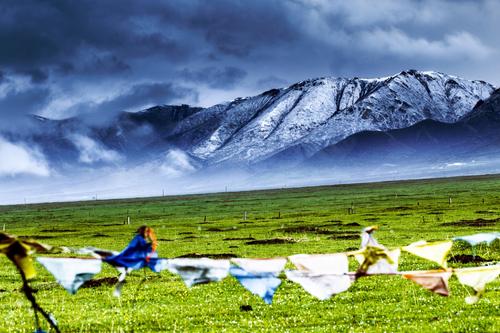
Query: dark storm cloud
column 23, row 102
column 220, row 78
column 147, row 93
column 270, row 82
column 36, row 75
column 136, row 98
column 52, row 32
column 367, row 40
column 239, row 27
column 83, row 51
column 108, row 64
column 15, row 106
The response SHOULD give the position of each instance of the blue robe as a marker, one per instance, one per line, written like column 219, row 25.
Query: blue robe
column 134, row 256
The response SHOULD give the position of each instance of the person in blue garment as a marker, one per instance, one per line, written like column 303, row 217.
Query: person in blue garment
column 139, row 252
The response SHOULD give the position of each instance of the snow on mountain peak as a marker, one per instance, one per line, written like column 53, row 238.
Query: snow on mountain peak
column 319, row 112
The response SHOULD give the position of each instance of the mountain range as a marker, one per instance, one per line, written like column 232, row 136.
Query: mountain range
column 410, row 118
column 475, row 134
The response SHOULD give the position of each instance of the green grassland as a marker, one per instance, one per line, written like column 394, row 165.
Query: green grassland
column 285, row 221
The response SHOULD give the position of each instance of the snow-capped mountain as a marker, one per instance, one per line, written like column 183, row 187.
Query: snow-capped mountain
column 287, row 124
column 316, row 113
column 473, row 138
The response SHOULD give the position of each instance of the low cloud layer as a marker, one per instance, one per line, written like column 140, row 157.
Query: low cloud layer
column 219, row 78
column 459, row 45
column 134, row 98
column 176, row 164
column 18, row 100
column 18, row 159
column 149, row 180
column 92, row 152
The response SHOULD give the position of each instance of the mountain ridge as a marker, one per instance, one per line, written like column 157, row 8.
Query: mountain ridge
column 473, row 136
column 289, row 124
column 325, row 129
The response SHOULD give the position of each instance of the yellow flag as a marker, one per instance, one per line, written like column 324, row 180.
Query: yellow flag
column 435, row 252
column 477, row 278
column 19, row 251
column 377, row 260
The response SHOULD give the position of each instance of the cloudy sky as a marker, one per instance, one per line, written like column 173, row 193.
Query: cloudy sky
column 62, row 58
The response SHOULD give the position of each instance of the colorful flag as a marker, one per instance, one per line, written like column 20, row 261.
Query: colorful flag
column 259, row 276
column 321, row 286
column 435, row 281
column 336, row 263
column 71, row 273
column 197, row 271
column 19, row 250
column 377, row 260
column 475, row 239
column 477, row 278
column 367, row 238
column 436, row 251
column 321, row 275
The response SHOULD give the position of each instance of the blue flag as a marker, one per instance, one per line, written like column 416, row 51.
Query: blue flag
column 263, row 284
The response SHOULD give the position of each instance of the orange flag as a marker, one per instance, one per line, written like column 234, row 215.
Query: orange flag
column 435, row 281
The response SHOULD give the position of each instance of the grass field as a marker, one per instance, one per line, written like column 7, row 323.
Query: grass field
column 306, row 220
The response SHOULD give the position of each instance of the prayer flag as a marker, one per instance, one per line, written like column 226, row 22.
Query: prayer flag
column 336, row 263
column 71, row 273
column 259, row 276
column 475, row 239
column 435, row 281
column 376, row 260
column 435, row 252
column 477, row 278
column 321, row 286
column 197, row 271
column 19, row 250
